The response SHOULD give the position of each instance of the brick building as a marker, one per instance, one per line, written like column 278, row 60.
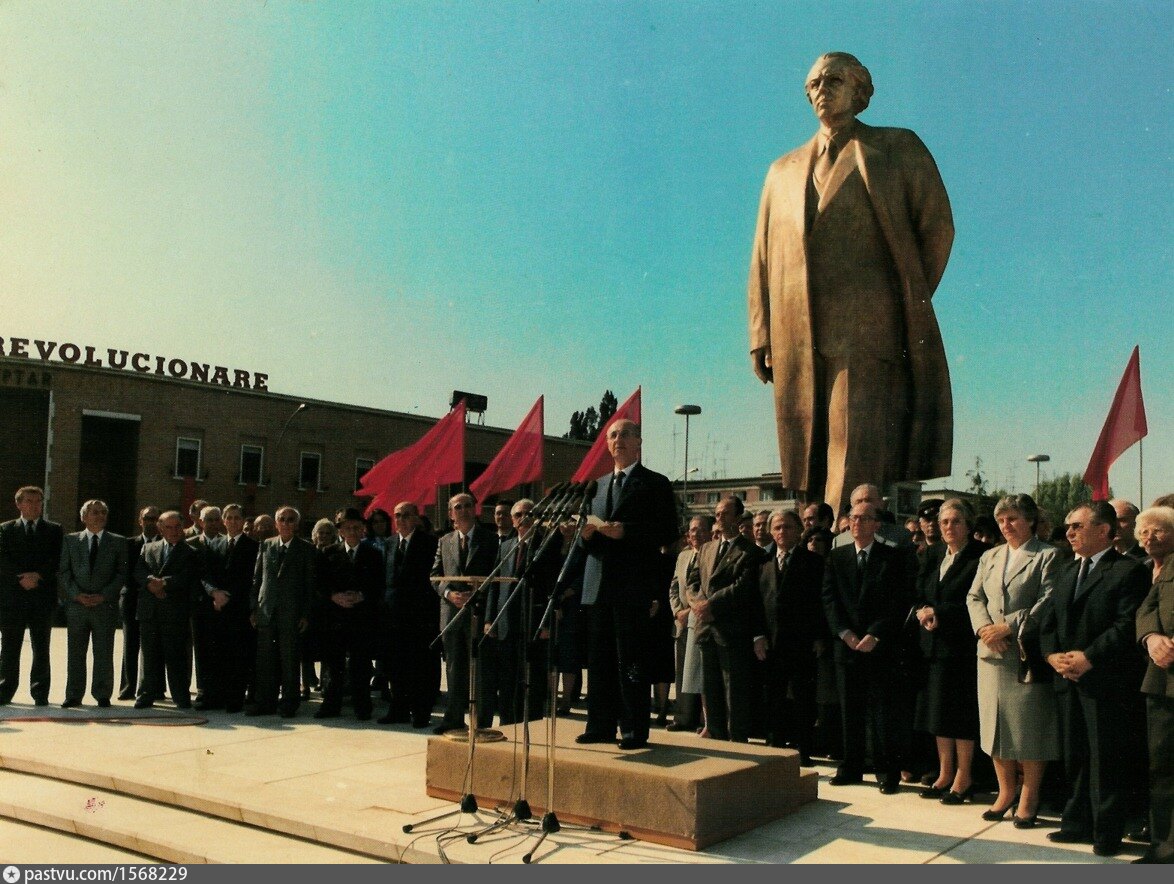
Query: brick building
column 146, row 432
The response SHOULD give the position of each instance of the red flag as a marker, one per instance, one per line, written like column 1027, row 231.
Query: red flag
column 412, row 473
column 1124, row 426
column 519, row 461
column 598, row 460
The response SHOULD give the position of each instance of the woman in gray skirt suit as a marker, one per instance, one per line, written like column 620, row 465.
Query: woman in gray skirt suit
column 1017, row 722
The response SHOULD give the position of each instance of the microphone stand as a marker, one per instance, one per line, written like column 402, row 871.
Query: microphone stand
column 468, row 801
column 524, row 589
column 550, row 822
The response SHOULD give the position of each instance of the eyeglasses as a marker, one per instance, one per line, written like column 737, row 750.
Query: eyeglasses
column 522, row 515
column 861, row 518
column 286, row 519
column 404, row 515
column 1073, row 526
column 462, row 506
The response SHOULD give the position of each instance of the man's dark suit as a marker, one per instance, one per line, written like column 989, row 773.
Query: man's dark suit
column 349, row 631
column 730, row 584
column 230, row 643
column 75, row 577
column 620, row 582
column 503, row 688
column 795, row 622
column 128, row 612
column 30, row 609
column 409, row 622
column 1103, row 749
column 874, row 603
column 1156, row 615
column 283, row 586
column 480, row 560
column 165, row 623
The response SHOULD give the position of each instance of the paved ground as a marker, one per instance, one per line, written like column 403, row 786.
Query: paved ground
column 115, row 785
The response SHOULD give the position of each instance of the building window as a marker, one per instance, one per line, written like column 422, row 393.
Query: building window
column 362, row 465
column 187, row 457
column 310, row 471
column 766, row 494
column 691, row 498
column 252, row 464
column 713, row 497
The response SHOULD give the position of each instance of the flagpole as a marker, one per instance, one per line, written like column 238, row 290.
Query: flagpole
column 1141, row 473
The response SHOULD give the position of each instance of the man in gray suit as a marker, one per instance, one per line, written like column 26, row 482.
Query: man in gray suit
column 91, row 574
column 470, row 549
column 283, row 585
column 688, row 656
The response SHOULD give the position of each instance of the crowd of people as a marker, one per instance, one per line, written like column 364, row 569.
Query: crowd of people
column 943, row 643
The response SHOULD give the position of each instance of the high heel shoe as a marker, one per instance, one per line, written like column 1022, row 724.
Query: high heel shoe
column 1020, row 822
column 996, row 814
column 933, row 791
column 962, row 797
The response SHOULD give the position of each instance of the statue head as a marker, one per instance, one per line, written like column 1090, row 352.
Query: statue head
column 840, row 66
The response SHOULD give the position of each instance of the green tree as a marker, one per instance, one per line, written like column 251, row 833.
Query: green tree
column 586, row 425
column 1060, row 495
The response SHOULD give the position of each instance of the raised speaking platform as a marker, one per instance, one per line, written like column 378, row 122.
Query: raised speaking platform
column 682, row 791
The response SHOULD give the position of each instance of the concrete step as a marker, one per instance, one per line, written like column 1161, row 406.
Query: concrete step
column 160, row 831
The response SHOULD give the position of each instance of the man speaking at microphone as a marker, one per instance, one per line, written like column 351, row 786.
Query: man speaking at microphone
column 620, row 575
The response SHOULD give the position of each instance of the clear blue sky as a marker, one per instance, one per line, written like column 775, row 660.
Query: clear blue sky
column 379, row 203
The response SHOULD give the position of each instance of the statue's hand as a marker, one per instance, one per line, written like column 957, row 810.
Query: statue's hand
column 760, row 359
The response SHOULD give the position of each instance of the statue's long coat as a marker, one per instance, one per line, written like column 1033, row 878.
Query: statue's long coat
column 913, row 211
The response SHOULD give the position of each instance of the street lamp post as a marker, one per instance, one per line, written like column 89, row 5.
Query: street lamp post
column 1037, row 459
column 688, row 411
column 277, row 445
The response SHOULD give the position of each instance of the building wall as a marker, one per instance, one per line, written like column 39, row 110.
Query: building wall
column 223, row 419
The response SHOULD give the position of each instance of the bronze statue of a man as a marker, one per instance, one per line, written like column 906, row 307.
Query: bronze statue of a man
column 854, row 231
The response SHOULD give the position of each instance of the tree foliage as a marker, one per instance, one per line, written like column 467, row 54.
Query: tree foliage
column 586, row 425
column 1062, row 494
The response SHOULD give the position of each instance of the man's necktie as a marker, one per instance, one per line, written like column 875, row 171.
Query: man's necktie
column 93, row 551
column 1080, row 576
column 280, row 556
column 231, row 545
column 824, row 164
column 722, row 549
column 30, row 530
column 351, row 554
column 520, row 558
column 463, row 558
column 861, row 561
column 613, row 491
column 166, row 553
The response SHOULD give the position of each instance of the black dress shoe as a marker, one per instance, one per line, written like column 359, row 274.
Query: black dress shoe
column 254, row 711
column 287, row 711
column 1062, row 837
column 680, row 726
column 890, row 787
column 994, row 814
column 846, row 779
column 588, row 737
column 183, row 704
column 445, row 726
column 1106, row 846
column 144, row 703
column 363, row 716
column 395, row 718
column 71, row 704
column 326, row 713
column 419, row 722
column 233, row 708
column 103, row 704
column 633, row 743
column 954, row 798
column 40, row 702
column 1141, row 836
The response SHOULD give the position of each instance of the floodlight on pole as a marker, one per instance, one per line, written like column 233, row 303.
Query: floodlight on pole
column 689, row 411
column 1037, row 459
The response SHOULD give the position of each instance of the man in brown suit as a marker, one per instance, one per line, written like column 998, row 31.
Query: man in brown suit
column 854, row 231
column 1155, row 631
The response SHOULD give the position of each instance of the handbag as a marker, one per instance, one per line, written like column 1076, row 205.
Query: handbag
column 1033, row 668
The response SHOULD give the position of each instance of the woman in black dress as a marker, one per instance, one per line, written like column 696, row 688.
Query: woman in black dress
column 948, row 705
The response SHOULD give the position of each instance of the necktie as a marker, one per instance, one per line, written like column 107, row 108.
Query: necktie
column 520, row 558
column 722, row 549
column 93, row 551
column 30, row 528
column 166, row 553
column 1081, row 575
column 463, row 559
column 351, row 554
column 861, row 561
column 397, row 557
column 613, row 491
column 280, row 555
column 824, row 164
column 231, row 545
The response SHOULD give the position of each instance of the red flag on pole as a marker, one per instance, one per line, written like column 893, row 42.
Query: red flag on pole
column 519, row 461
column 412, row 473
column 1124, row 426
column 598, row 460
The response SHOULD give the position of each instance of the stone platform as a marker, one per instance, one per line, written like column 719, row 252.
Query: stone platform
column 680, row 792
